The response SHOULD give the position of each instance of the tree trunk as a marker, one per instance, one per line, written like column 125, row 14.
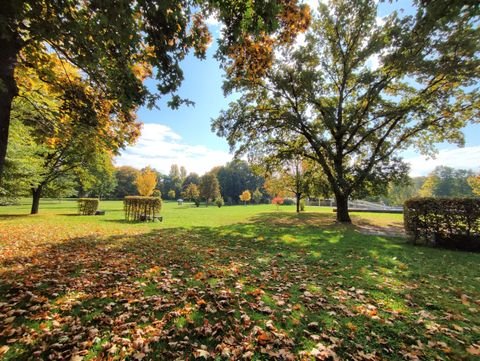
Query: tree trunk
column 10, row 48
column 342, row 208
column 298, row 196
column 36, row 193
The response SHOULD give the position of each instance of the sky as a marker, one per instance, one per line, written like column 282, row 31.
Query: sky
column 184, row 136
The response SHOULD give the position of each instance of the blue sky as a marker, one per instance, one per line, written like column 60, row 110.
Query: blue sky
column 184, row 137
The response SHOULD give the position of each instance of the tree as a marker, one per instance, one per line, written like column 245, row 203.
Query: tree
column 235, row 177
column 429, row 186
column 171, row 194
column 125, row 178
column 245, row 196
column 98, row 178
column 192, row 193
column 22, row 167
column 146, row 181
column 209, row 187
column 278, row 201
column 70, row 122
column 474, row 183
column 447, row 182
column 174, row 180
column 191, row 178
column 398, row 193
column 113, row 42
column 293, row 175
column 257, row 196
column 326, row 101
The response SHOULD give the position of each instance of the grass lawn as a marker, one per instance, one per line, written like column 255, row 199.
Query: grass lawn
column 236, row 282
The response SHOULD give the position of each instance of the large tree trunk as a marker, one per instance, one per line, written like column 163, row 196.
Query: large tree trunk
column 298, row 196
column 9, row 49
column 342, row 208
column 36, row 194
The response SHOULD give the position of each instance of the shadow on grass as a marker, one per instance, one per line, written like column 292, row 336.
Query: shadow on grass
column 13, row 216
column 214, row 285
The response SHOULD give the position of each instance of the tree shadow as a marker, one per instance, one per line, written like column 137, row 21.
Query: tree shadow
column 216, row 286
column 13, row 216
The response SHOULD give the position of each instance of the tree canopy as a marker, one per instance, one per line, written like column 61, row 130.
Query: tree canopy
column 117, row 43
column 74, row 130
column 447, row 182
column 359, row 90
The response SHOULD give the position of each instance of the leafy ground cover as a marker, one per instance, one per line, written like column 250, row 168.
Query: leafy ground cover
column 230, row 283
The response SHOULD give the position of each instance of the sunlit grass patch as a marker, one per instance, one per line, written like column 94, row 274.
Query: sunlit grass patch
column 235, row 277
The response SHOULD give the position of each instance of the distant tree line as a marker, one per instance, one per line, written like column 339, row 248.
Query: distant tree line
column 228, row 182
column 441, row 182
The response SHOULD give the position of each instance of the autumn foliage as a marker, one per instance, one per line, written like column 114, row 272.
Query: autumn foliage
column 245, row 196
column 278, row 201
column 474, row 183
column 146, row 182
column 253, row 56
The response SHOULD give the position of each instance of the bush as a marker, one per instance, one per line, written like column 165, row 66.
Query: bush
column 87, row 206
column 157, row 193
column 288, row 202
column 219, row 202
column 444, row 222
column 139, row 208
column 302, row 205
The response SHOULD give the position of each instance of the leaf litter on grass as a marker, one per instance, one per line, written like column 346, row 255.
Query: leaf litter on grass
column 211, row 293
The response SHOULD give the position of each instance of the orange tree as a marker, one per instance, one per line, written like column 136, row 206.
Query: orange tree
column 76, row 125
column 245, row 196
column 107, row 39
column 146, row 181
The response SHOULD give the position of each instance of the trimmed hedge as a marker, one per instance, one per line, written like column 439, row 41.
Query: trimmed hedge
column 444, row 222
column 139, row 208
column 87, row 206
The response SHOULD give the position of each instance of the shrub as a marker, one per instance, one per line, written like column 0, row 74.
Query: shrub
column 87, row 206
column 302, row 205
column 139, row 208
column 288, row 202
column 219, row 202
column 277, row 201
column 444, row 222
column 157, row 193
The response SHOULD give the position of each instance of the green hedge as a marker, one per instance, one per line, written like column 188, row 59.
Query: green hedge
column 444, row 222
column 139, row 208
column 87, row 206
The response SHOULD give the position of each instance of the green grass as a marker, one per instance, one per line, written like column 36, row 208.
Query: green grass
column 231, row 281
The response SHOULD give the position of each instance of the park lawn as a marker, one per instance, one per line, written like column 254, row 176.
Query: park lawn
column 226, row 283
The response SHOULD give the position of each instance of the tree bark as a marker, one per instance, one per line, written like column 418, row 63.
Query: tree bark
column 342, row 208
column 36, row 194
column 10, row 47
column 298, row 196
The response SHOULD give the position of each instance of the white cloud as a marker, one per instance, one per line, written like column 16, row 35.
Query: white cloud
column 160, row 147
column 461, row 158
column 212, row 20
